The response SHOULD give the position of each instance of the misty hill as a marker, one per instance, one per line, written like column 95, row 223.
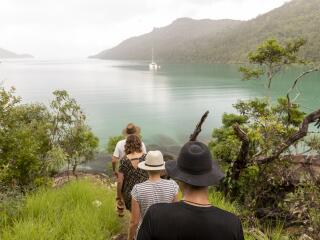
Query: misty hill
column 188, row 40
column 8, row 54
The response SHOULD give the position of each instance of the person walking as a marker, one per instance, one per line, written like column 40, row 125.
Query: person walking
column 129, row 174
column 193, row 218
column 118, row 154
column 154, row 190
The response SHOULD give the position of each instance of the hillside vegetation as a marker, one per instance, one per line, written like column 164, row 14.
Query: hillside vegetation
column 225, row 41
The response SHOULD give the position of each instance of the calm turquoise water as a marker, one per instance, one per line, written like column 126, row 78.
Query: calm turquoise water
column 166, row 104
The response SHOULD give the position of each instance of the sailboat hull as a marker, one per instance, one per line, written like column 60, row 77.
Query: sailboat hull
column 153, row 66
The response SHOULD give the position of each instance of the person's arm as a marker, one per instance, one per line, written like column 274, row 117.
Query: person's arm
column 145, row 232
column 115, row 159
column 119, row 185
column 114, row 165
column 176, row 198
column 135, row 217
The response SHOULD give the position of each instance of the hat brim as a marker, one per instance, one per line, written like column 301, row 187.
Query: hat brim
column 137, row 132
column 142, row 165
column 204, row 180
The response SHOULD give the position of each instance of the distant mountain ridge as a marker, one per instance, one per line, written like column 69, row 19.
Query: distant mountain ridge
column 224, row 41
column 8, row 54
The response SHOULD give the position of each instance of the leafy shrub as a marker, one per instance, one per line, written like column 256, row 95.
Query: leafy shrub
column 303, row 204
column 113, row 142
column 35, row 140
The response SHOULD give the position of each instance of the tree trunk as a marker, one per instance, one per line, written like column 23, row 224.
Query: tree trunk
column 197, row 130
column 270, row 76
column 241, row 161
column 68, row 170
column 74, row 168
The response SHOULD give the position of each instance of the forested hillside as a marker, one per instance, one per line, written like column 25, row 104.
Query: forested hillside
column 225, row 41
column 8, row 54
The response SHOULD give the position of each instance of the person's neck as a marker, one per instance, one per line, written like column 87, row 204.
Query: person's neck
column 154, row 178
column 196, row 197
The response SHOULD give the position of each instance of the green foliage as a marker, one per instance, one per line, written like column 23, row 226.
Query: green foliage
column 217, row 199
column 266, row 233
column 113, row 142
column 78, row 210
column 24, row 140
column 304, row 204
column 11, row 202
column 225, row 145
column 270, row 58
column 252, row 229
column 313, row 142
column 267, row 125
column 249, row 73
column 36, row 141
column 272, row 191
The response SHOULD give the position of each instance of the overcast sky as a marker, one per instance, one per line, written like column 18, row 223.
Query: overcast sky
column 78, row 28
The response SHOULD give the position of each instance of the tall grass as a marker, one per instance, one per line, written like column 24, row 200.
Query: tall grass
column 217, row 199
column 78, row 210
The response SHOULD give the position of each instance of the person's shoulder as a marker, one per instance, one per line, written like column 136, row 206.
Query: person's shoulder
column 141, row 185
column 121, row 142
column 159, row 208
column 168, row 182
column 226, row 215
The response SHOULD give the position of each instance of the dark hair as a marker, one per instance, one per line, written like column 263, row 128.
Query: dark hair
column 133, row 144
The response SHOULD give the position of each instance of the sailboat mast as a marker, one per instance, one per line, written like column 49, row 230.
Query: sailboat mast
column 152, row 56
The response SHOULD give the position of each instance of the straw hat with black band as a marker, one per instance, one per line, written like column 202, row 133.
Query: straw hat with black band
column 195, row 166
column 154, row 161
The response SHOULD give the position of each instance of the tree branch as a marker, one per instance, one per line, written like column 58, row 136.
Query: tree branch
column 197, row 130
column 241, row 160
column 297, row 80
column 301, row 133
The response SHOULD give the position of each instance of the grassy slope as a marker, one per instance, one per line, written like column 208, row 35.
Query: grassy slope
column 70, row 213
column 67, row 213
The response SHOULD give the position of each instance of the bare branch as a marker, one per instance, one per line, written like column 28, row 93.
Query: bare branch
column 241, row 160
column 297, row 80
column 197, row 130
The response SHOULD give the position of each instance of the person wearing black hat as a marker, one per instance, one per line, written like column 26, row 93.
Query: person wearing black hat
column 194, row 217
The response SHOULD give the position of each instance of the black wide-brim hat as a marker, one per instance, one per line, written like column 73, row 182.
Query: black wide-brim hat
column 195, row 166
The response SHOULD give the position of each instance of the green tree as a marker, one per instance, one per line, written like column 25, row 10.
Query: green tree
column 24, row 140
column 271, row 57
column 35, row 141
column 70, row 131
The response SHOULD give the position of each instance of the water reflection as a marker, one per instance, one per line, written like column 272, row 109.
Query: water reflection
column 166, row 104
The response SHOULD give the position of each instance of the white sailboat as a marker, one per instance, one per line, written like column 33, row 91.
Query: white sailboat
column 153, row 65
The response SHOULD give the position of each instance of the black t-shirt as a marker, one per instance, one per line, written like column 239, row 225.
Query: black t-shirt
column 181, row 221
